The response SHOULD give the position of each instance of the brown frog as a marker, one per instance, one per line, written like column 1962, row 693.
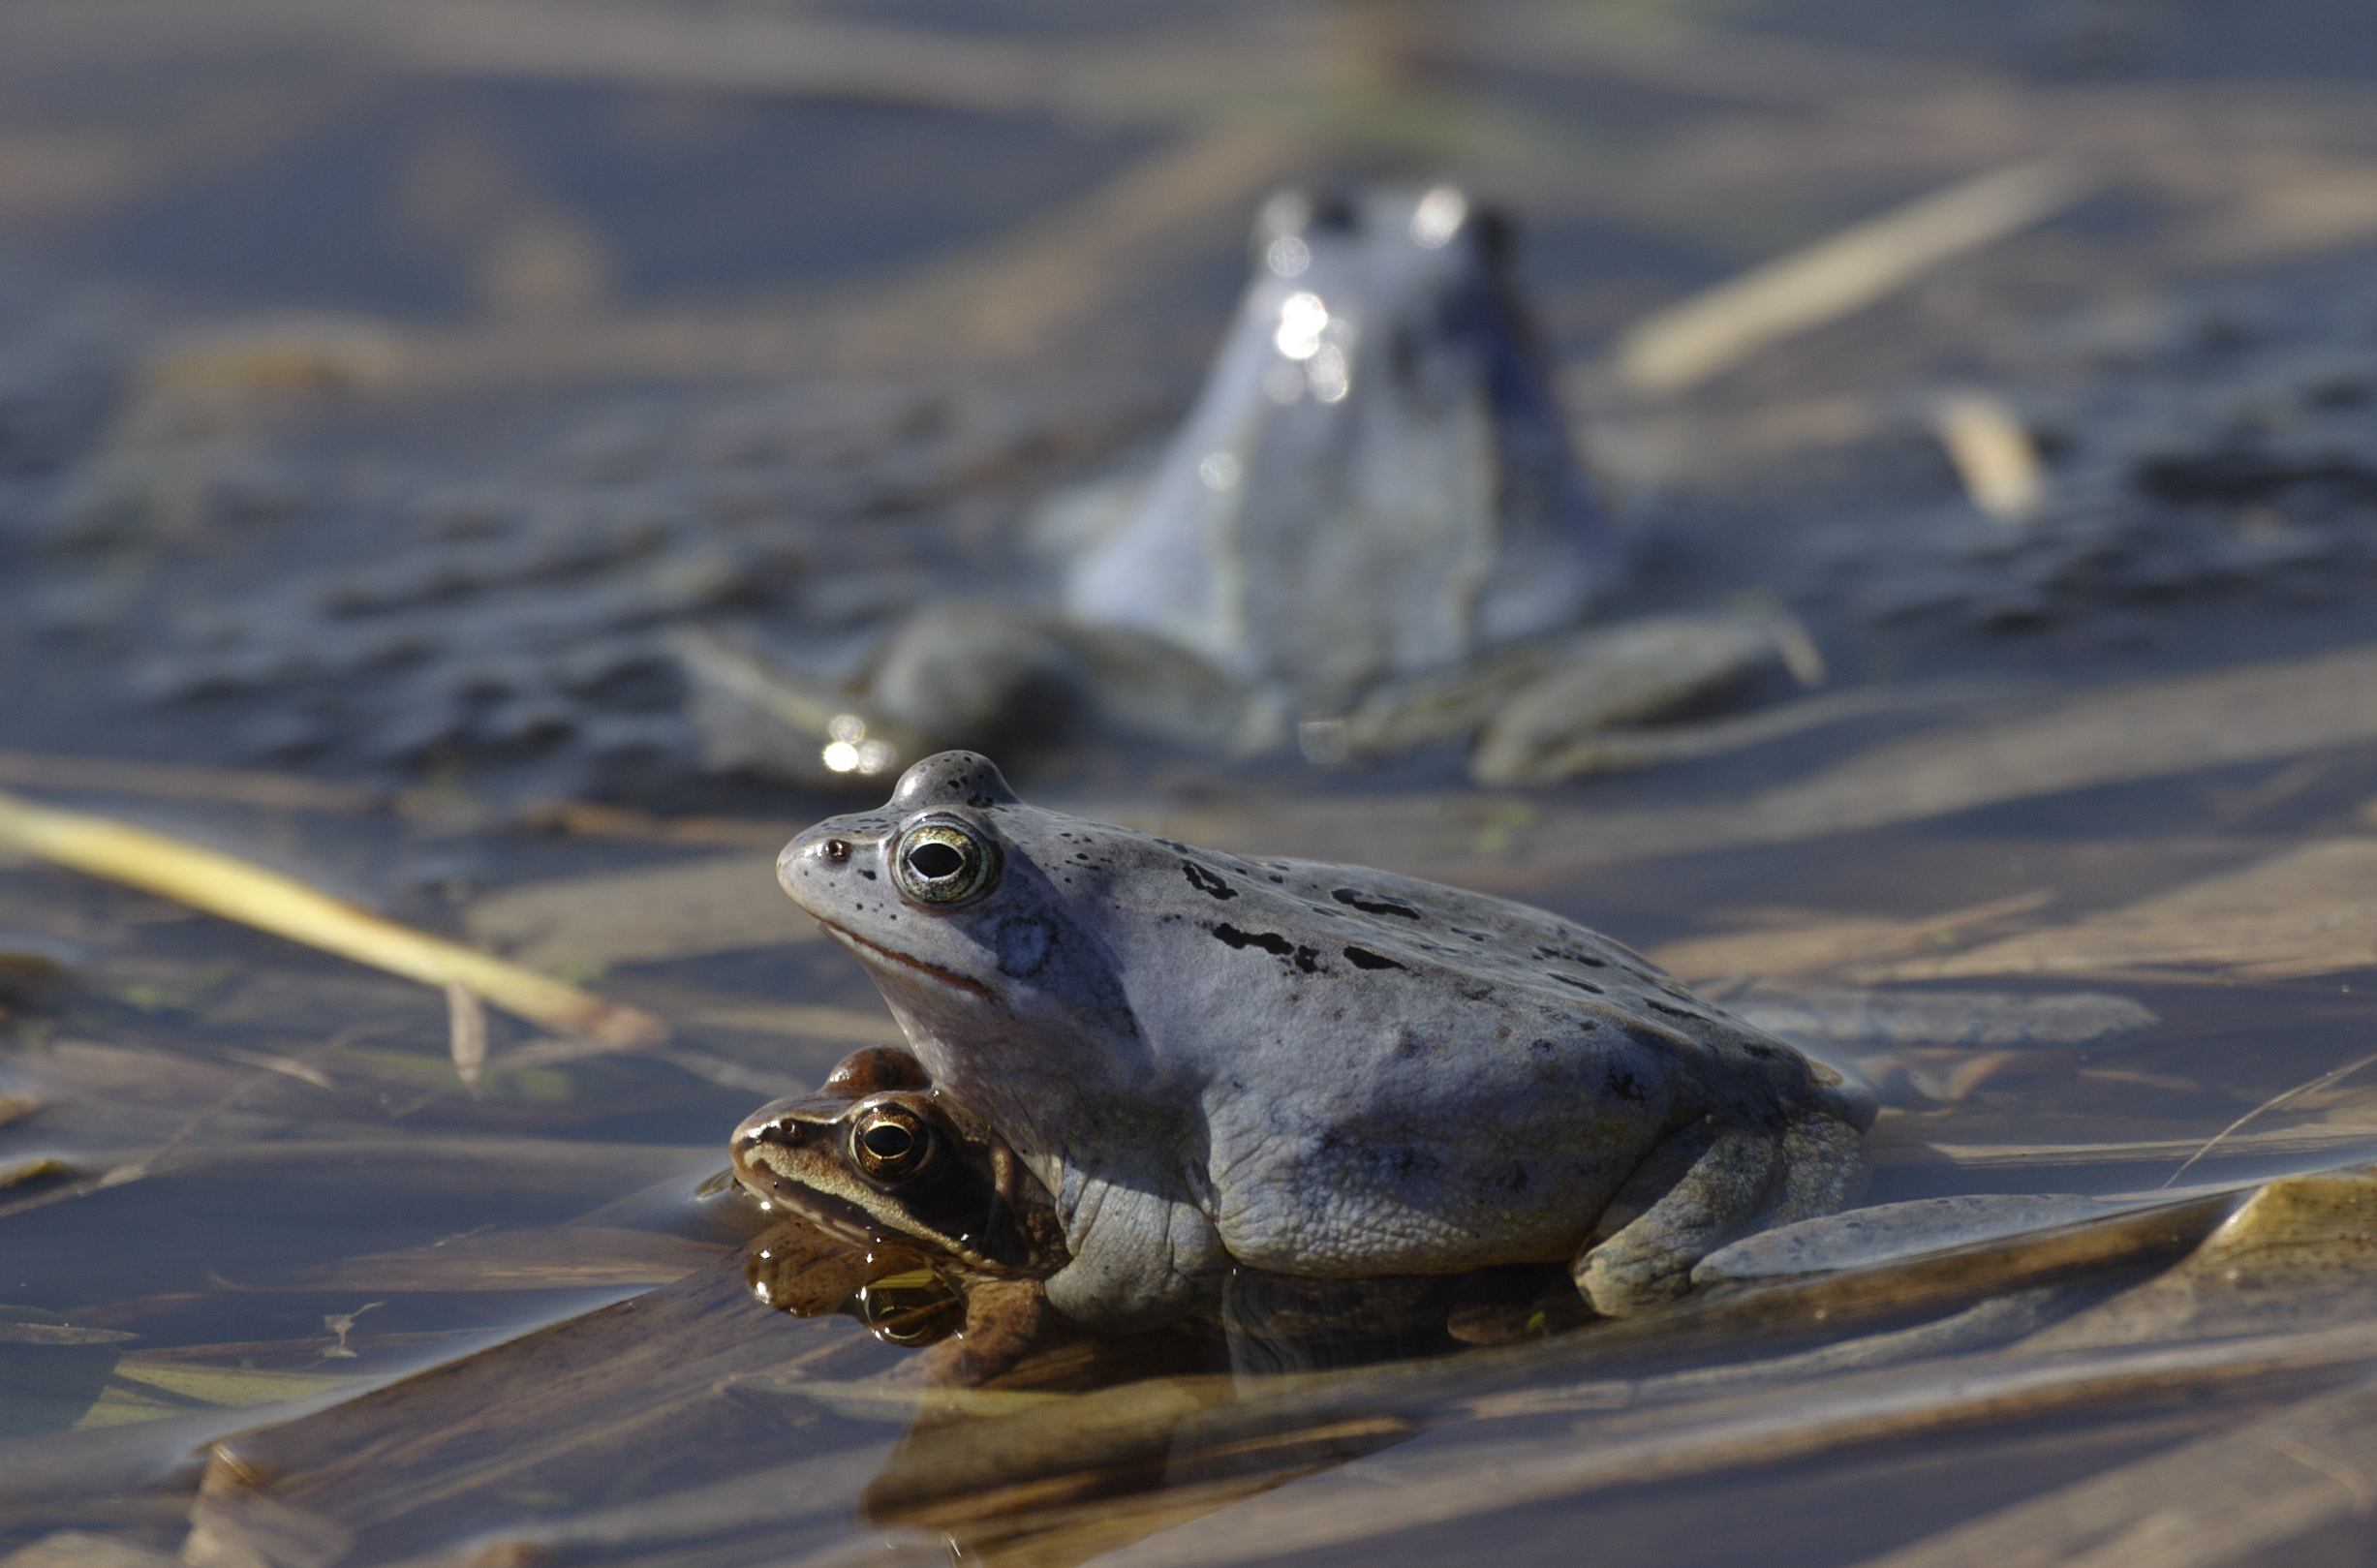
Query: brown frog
column 934, row 1230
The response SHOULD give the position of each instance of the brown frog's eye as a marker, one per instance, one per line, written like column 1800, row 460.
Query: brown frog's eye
column 892, row 1143
column 942, row 861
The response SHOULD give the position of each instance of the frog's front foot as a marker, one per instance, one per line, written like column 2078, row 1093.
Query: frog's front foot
column 1004, row 1319
column 1139, row 1259
column 1624, row 683
column 1703, row 1186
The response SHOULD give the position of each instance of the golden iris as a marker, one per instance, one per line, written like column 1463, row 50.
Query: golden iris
column 892, row 1144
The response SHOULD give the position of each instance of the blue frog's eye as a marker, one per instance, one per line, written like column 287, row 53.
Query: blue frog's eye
column 942, row 861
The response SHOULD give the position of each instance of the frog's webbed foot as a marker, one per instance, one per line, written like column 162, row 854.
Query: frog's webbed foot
column 1703, row 1186
column 1587, row 713
column 1139, row 1258
column 1697, row 1188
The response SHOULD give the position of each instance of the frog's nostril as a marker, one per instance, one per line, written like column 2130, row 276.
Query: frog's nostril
column 836, row 850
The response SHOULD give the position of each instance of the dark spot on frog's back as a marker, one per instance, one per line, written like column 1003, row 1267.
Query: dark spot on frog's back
column 1270, row 941
column 1206, row 881
column 1372, row 904
column 1362, row 958
column 1624, row 1085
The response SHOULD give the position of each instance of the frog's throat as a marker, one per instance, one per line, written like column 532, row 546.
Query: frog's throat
column 851, row 939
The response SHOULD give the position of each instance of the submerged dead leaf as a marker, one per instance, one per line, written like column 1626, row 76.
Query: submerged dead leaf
column 568, row 1258
column 414, row 1169
column 1821, row 946
column 241, row 1530
column 39, row 1168
column 2241, row 1496
column 2311, row 911
column 2301, row 1251
column 2146, row 730
column 584, row 924
column 842, row 1024
column 81, row 1548
column 230, row 1387
column 281, row 791
column 1048, row 1480
column 630, row 1390
column 2318, row 1141
column 1380, row 1497
column 1968, row 1020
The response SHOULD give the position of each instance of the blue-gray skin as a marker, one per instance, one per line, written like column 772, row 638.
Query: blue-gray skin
column 1376, row 480
column 1312, row 1069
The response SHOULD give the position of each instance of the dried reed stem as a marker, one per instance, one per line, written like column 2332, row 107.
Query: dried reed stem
column 223, row 884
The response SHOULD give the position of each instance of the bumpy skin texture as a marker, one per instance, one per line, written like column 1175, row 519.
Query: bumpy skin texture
column 1319, row 1070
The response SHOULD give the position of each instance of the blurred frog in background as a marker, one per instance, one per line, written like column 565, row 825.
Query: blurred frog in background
column 1370, row 534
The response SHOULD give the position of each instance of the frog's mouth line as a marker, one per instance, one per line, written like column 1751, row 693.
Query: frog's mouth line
column 850, row 939
column 849, row 1221
column 839, row 1218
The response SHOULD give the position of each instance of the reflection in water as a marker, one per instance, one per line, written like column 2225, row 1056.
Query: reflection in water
column 1083, row 1446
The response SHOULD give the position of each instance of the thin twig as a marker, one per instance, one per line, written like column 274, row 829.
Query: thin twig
column 147, row 1165
column 466, row 1034
column 1711, row 332
column 2275, row 1102
column 1994, row 456
column 115, row 776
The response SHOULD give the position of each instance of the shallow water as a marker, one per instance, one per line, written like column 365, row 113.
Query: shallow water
column 675, row 329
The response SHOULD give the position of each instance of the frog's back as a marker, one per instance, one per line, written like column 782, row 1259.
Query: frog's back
column 1383, row 949
column 1397, row 1073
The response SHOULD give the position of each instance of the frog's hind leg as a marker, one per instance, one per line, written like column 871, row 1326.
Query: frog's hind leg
column 1699, row 1187
column 1704, row 1184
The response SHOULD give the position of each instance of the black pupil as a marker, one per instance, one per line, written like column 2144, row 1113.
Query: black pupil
column 886, row 1140
column 935, row 861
